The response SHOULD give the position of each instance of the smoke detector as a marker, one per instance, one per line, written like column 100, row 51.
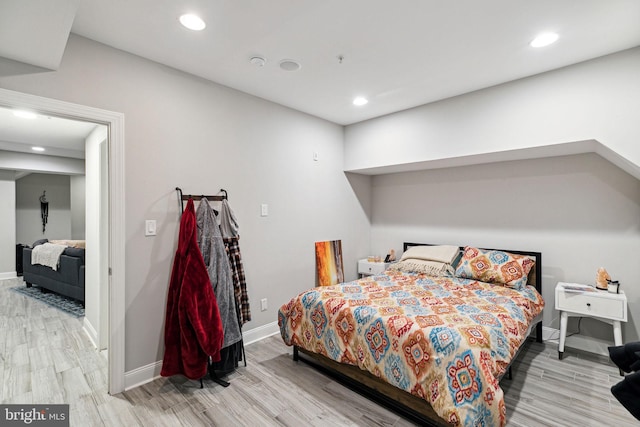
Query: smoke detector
column 258, row 61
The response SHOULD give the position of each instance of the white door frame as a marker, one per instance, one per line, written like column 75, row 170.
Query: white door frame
column 115, row 123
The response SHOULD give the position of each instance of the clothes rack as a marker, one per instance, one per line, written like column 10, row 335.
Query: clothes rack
column 196, row 198
column 182, row 197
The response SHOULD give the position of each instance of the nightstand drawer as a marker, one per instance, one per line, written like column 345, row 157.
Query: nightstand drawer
column 591, row 305
column 366, row 267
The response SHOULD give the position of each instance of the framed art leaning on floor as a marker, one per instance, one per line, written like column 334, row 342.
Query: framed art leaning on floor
column 329, row 269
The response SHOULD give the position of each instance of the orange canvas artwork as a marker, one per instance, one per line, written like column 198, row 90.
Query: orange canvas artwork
column 329, row 263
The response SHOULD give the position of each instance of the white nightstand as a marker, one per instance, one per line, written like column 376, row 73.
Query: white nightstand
column 602, row 305
column 366, row 268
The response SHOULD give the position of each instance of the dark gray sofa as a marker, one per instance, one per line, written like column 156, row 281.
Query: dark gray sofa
column 68, row 280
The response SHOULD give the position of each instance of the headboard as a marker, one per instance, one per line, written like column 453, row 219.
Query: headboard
column 537, row 277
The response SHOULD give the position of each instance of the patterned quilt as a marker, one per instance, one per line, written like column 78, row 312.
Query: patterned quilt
column 447, row 340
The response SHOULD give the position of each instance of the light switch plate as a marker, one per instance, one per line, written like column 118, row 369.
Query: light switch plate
column 150, row 227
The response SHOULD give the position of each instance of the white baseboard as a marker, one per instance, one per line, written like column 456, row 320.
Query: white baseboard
column 8, row 275
column 550, row 334
column 150, row 372
column 579, row 342
column 260, row 333
column 142, row 375
column 91, row 331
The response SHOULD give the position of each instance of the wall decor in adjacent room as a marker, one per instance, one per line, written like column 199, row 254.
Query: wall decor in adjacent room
column 44, row 210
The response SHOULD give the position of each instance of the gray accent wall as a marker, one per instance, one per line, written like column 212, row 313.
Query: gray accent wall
column 77, row 184
column 7, row 224
column 580, row 211
column 28, row 217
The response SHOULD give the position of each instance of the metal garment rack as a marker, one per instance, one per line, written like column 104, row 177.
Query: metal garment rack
column 182, row 197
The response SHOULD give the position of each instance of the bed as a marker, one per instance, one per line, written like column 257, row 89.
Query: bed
column 431, row 346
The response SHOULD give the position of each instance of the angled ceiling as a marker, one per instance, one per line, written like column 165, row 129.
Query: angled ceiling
column 34, row 34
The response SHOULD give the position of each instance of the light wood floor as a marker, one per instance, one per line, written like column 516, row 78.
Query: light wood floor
column 45, row 357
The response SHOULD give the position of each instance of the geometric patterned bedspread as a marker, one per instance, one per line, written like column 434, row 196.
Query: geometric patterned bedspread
column 447, row 340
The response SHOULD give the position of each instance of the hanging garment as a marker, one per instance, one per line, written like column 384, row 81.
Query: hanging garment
column 231, row 236
column 217, row 262
column 193, row 329
column 227, row 221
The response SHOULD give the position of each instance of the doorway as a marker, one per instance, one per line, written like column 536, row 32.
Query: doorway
column 112, row 158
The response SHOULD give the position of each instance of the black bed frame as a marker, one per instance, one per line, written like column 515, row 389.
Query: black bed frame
column 400, row 401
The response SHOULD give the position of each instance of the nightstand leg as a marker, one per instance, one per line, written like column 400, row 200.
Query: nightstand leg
column 617, row 333
column 617, row 337
column 563, row 333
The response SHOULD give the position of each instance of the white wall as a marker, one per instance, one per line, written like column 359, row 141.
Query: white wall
column 597, row 99
column 184, row 131
column 93, row 260
column 28, row 217
column 105, row 230
column 7, row 225
column 77, row 199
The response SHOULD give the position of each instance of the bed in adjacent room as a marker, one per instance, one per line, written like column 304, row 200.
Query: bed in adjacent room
column 432, row 336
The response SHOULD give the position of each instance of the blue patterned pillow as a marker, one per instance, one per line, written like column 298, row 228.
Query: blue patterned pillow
column 491, row 266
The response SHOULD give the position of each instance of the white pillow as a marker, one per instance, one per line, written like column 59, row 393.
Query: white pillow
column 432, row 268
column 441, row 253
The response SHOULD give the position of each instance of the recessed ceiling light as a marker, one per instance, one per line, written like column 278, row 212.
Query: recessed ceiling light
column 289, row 65
column 544, row 39
column 24, row 114
column 37, row 148
column 360, row 100
column 192, row 22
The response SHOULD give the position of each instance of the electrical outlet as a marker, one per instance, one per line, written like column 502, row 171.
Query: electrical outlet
column 264, row 209
column 263, row 304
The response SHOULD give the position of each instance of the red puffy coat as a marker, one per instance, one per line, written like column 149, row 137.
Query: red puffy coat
column 193, row 329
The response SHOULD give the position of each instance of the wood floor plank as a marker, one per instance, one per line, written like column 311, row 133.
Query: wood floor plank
column 17, row 381
column 45, row 385
column 115, row 412
column 97, row 379
column 64, row 359
column 39, row 357
column 74, row 384
column 84, row 412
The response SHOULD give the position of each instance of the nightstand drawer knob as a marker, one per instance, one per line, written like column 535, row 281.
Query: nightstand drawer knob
column 588, row 304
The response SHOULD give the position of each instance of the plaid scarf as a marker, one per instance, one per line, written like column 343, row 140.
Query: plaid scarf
column 239, row 282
